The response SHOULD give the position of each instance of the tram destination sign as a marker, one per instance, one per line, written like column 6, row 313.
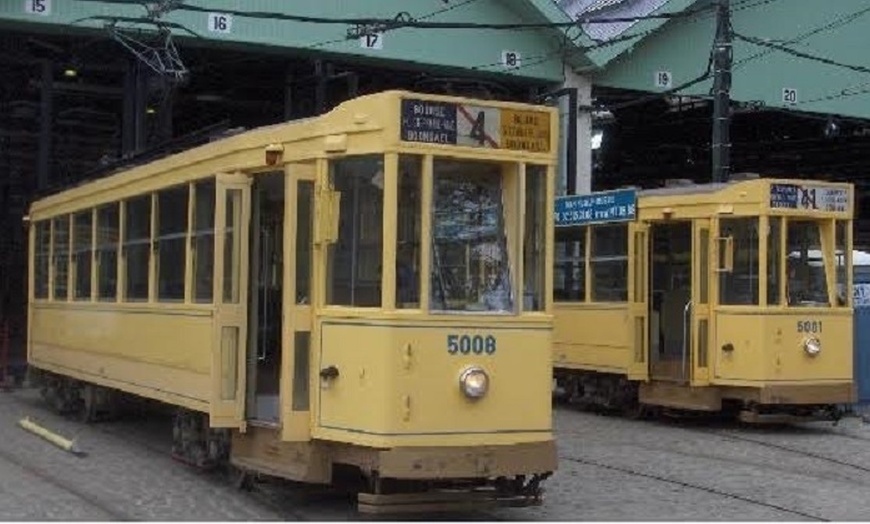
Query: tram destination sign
column 809, row 197
column 433, row 122
column 596, row 208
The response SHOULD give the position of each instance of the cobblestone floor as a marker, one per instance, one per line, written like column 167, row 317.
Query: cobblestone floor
column 610, row 469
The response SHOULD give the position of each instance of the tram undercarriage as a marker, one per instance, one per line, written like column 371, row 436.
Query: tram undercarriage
column 614, row 393
column 397, row 480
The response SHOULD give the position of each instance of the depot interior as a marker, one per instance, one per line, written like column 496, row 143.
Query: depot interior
column 73, row 108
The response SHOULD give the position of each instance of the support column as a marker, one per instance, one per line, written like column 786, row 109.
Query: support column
column 582, row 184
column 721, row 145
column 288, row 95
column 46, row 110
column 133, row 135
column 321, row 73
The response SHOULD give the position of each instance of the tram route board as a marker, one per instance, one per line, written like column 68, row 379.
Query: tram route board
column 809, row 197
column 434, row 122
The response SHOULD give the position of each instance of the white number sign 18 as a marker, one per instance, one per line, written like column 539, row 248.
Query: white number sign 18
column 511, row 59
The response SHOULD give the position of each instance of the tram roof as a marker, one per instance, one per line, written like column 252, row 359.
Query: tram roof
column 688, row 189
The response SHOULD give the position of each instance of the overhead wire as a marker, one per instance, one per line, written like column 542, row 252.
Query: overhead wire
column 829, row 26
column 537, row 59
column 847, row 92
column 740, row 6
column 423, row 17
column 771, row 46
column 405, row 20
column 794, row 52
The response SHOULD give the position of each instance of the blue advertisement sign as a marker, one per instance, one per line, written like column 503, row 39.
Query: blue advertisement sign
column 606, row 206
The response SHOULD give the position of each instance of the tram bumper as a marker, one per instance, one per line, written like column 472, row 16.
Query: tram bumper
column 443, row 462
column 462, row 478
column 807, row 394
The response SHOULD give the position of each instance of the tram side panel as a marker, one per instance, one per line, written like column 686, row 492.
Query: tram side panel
column 592, row 339
column 160, row 355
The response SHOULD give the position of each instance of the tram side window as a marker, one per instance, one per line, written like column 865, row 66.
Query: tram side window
column 408, row 232
column 233, row 247
column 202, row 240
column 354, row 260
column 535, row 239
column 137, row 247
column 740, row 286
column 41, row 259
column 61, row 257
column 82, row 256
column 170, row 242
column 569, row 275
column 108, row 238
column 609, row 263
column 774, row 259
column 806, row 283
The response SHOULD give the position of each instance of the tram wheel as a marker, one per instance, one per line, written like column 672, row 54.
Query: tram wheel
column 88, row 411
column 636, row 411
column 243, row 480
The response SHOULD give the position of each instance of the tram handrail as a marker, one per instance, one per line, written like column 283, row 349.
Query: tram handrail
column 687, row 336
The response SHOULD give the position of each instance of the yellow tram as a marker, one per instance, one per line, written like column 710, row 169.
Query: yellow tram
column 730, row 297
column 363, row 292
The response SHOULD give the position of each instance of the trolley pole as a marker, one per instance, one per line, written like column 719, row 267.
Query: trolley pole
column 721, row 145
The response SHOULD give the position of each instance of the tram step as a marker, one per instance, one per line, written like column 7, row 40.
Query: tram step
column 436, row 501
column 751, row 417
column 680, row 396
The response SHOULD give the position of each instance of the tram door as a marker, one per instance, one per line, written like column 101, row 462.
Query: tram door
column 670, row 301
column 280, row 300
column 266, row 298
column 228, row 215
column 300, row 283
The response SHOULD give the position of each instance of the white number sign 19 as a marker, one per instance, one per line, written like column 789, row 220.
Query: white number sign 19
column 664, row 79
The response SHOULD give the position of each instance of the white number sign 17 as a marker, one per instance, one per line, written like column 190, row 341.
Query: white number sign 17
column 372, row 41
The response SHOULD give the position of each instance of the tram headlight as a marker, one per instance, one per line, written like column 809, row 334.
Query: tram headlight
column 474, row 382
column 812, row 346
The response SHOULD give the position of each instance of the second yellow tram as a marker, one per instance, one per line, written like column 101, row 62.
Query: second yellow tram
column 718, row 297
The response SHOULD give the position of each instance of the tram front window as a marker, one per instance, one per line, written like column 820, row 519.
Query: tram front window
column 806, row 283
column 471, row 268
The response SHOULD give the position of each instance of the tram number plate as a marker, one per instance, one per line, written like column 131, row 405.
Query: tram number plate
column 471, row 344
column 809, row 326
